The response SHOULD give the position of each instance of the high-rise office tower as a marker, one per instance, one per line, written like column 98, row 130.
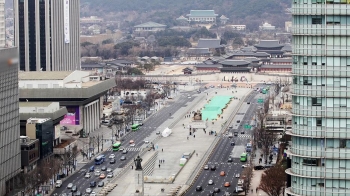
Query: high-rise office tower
column 47, row 34
column 320, row 148
column 10, row 153
column 2, row 23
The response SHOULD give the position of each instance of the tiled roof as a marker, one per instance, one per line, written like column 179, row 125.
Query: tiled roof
column 269, row 44
column 198, row 51
column 44, row 75
column 199, row 13
column 91, row 66
column 276, row 66
column 121, row 61
column 210, row 65
column 209, row 43
column 262, row 54
column 287, row 48
column 149, row 24
column 223, row 17
column 235, row 69
column 234, row 62
column 181, row 18
column 281, row 60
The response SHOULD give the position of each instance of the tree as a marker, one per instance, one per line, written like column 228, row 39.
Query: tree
column 247, row 175
column 134, row 71
column 273, row 180
column 149, row 67
column 107, row 41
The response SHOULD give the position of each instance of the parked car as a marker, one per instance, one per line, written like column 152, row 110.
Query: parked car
column 259, row 167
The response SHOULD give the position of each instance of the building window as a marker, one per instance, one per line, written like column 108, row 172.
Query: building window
column 310, row 162
column 318, row 122
column 317, row 20
column 316, row 101
column 342, row 143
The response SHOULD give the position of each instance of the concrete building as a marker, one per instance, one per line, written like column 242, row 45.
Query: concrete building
column 83, row 95
column 2, row 24
column 238, row 27
column 30, row 153
column 267, row 27
column 10, row 154
column 288, row 26
column 319, row 151
column 91, row 20
column 150, row 26
column 202, row 16
column 47, row 34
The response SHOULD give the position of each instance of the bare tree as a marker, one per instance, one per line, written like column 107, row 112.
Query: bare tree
column 247, row 175
column 273, row 180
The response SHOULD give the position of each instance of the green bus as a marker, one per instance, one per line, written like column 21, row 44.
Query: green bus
column 244, row 157
column 264, row 91
column 116, row 146
column 135, row 127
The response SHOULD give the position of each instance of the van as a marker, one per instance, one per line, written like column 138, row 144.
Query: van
column 58, row 183
column 230, row 135
column 186, row 155
column 243, row 157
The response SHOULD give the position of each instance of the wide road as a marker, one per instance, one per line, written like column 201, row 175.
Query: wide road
column 146, row 130
column 221, row 153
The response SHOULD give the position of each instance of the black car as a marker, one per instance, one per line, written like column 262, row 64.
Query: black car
column 101, row 184
column 248, row 102
column 242, row 132
column 112, row 161
column 199, row 188
column 230, row 159
column 93, row 184
column 235, row 133
column 103, row 168
column 259, row 167
column 216, row 190
column 213, row 167
column 232, row 143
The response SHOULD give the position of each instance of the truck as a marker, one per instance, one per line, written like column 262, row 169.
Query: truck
column 230, row 135
column 58, row 183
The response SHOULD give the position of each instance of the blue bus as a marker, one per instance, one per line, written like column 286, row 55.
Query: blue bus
column 99, row 159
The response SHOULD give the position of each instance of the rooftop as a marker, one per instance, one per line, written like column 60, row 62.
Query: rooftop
column 234, row 62
column 198, row 51
column 34, row 104
column 199, row 13
column 149, row 24
column 269, row 44
column 209, row 43
column 44, row 75
column 89, row 84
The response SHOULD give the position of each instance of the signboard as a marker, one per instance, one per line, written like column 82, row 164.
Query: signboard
column 57, row 131
column 72, row 117
column 66, row 21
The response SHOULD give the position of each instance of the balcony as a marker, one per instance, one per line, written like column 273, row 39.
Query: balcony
column 319, row 91
column 319, row 172
column 315, row 190
column 319, row 132
column 319, row 9
column 320, row 50
column 320, row 111
column 319, row 70
column 319, row 152
column 313, row 29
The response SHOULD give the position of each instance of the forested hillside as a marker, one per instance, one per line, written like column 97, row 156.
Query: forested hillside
column 250, row 12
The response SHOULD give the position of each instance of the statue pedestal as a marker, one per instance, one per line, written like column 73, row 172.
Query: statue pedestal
column 139, row 183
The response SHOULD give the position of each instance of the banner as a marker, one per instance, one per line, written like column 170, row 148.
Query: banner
column 72, row 117
column 66, row 21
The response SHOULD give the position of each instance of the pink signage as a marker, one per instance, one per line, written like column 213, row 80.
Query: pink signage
column 69, row 119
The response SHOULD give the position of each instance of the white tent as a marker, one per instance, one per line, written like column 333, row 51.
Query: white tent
column 166, row 132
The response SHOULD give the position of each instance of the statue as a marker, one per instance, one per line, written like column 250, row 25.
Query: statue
column 138, row 161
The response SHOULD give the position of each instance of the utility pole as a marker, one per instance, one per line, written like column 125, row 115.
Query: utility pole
column 98, row 143
column 102, row 144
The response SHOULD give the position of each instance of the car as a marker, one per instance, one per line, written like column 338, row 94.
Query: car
column 70, row 185
column 123, row 158
column 211, row 193
column 92, row 169
column 121, row 148
column 58, row 183
column 102, row 176
column 235, row 133
column 227, row 194
column 216, row 190
column 132, row 145
column 97, row 173
column 210, row 182
column 131, row 142
column 158, row 133
column 238, row 121
column 189, row 97
column 109, row 170
column 233, row 143
column 88, row 190
column 206, row 167
column 92, row 193
column 238, row 175
column 213, row 167
column 74, row 188
column 242, row 132
column 230, row 159
column 141, row 124
column 112, row 161
column 87, row 175
column 222, row 173
column 125, row 151
column 199, row 188
column 103, row 168
column 110, row 175
column 78, row 193
column 93, row 184
column 245, row 165
column 101, row 184
column 146, row 141
column 227, row 184
column 248, row 102
column 112, row 156
column 259, row 167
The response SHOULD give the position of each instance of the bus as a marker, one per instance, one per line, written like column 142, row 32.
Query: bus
column 244, row 157
column 99, row 159
column 264, row 91
column 116, row 146
column 135, row 127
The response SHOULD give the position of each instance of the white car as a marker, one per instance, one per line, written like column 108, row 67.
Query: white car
column 92, row 194
column 88, row 190
column 246, row 165
column 132, row 145
column 112, row 156
column 97, row 173
column 146, row 141
column 110, row 175
column 210, row 182
column 87, row 175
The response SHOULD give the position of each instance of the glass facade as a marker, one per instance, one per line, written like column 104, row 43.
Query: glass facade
column 320, row 147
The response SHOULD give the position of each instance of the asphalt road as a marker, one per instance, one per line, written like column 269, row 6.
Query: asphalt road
column 221, row 153
column 145, row 131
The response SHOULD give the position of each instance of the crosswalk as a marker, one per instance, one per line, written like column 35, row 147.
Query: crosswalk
column 128, row 149
column 240, row 135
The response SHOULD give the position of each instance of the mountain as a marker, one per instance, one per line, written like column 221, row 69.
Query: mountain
column 249, row 12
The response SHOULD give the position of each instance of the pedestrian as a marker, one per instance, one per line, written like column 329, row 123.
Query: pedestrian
column 256, row 190
column 163, row 161
column 197, row 154
column 187, row 137
column 194, row 136
column 251, row 190
column 159, row 160
column 132, row 167
column 162, row 149
column 159, row 165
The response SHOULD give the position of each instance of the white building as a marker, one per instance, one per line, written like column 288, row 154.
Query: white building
column 238, row 27
column 150, row 26
column 267, row 27
column 90, row 20
column 202, row 16
column 82, row 94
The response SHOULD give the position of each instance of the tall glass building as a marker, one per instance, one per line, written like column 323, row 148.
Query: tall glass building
column 320, row 149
